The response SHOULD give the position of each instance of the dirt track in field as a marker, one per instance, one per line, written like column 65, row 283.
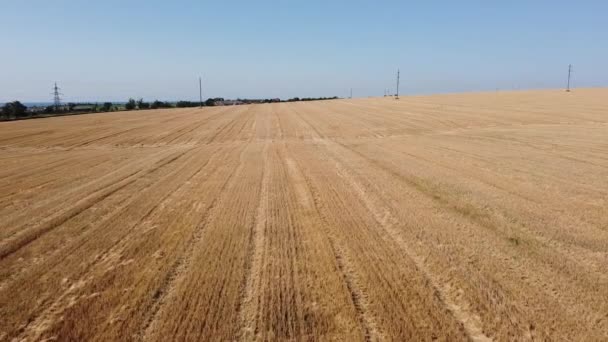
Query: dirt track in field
column 451, row 217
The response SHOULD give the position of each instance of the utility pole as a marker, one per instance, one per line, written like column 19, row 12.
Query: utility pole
column 56, row 97
column 569, row 73
column 397, row 85
column 200, row 91
column 351, row 93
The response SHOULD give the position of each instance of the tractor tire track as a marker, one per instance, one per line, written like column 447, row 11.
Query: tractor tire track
column 164, row 294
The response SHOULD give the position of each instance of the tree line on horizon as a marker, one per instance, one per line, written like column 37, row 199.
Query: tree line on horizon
column 16, row 110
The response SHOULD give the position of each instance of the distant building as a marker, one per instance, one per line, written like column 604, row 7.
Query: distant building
column 232, row 102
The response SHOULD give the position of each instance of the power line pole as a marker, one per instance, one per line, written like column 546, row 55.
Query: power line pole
column 397, row 85
column 351, row 93
column 200, row 91
column 569, row 73
column 56, row 97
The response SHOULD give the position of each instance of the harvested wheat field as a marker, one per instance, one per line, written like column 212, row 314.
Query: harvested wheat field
column 450, row 217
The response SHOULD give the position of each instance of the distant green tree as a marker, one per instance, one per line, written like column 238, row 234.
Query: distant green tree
column 160, row 104
column 142, row 105
column 71, row 106
column 107, row 106
column 210, row 102
column 185, row 104
column 130, row 105
column 14, row 110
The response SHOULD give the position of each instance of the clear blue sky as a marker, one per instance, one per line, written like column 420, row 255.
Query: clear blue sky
column 112, row 50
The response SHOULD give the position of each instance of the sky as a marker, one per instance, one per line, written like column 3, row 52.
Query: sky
column 111, row 50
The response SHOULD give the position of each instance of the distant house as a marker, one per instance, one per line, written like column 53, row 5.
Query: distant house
column 232, row 102
column 218, row 101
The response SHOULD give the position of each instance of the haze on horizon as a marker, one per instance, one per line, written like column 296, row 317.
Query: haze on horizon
column 113, row 50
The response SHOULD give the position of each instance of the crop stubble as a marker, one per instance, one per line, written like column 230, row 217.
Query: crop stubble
column 451, row 217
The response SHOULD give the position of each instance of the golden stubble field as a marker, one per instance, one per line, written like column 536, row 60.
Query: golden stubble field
column 450, row 217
